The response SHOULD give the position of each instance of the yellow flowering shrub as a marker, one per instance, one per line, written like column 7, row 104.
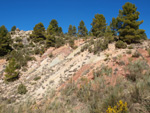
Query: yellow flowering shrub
column 119, row 108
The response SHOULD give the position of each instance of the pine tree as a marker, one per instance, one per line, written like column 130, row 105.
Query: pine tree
column 82, row 30
column 53, row 28
column 50, row 41
column 3, row 31
column 13, row 28
column 98, row 25
column 11, row 73
column 70, row 30
column 5, row 41
column 38, row 33
column 128, row 25
column 74, row 30
column 113, row 26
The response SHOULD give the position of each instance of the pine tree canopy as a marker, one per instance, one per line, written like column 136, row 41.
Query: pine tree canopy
column 3, row 31
column 53, row 28
column 82, row 30
column 50, row 41
column 70, row 30
column 74, row 30
column 5, row 41
column 128, row 26
column 98, row 25
column 13, row 28
column 109, row 34
column 38, row 32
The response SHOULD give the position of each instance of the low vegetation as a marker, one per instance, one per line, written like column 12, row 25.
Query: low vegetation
column 136, row 54
column 22, row 89
column 128, row 93
column 121, row 45
column 37, row 78
column 102, row 71
column 11, row 71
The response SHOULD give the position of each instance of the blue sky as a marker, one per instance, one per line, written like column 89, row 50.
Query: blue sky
column 26, row 13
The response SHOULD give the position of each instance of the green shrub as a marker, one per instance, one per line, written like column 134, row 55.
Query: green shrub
column 59, row 42
column 100, row 45
column 136, row 54
column 11, row 73
column 37, row 78
column 136, row 69
column 29, row 58
column 21, row 57
column 18, row 39
column 129, row 52
column 22, row 89
column 130, row 47
column 18, row 45
column 103, row 70
column 50, row 41
column 135, row 94
column 71, row 43
column 120, row 44
column 69, row 89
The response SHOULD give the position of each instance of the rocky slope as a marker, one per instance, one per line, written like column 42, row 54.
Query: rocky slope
column 65, row 64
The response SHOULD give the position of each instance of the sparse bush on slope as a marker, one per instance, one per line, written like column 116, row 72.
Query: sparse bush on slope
column 71, row 43
column 120, row 44
column 95, row 96
column 136, row 69
column 100, row 45
column 136, row 54
column 21, row 57
column 38, row 33
column 11, row 72
column 22, row 89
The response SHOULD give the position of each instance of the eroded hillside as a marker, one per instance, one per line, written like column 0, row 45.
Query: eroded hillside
column 48, row 74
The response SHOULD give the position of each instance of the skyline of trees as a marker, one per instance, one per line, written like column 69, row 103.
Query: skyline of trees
column 53, row 26
column 125, row 25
